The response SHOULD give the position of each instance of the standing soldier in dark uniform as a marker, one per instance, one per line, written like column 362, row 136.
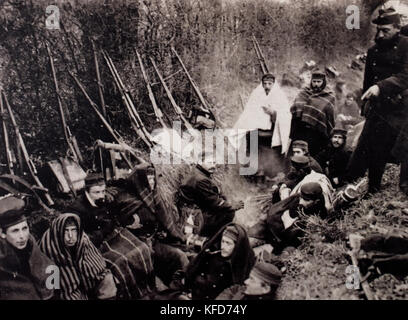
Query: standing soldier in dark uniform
column 386, row 106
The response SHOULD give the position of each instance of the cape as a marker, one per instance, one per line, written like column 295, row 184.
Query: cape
column 254, row 117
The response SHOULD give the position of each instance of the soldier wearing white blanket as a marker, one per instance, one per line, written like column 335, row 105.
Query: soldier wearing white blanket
column 267, row 109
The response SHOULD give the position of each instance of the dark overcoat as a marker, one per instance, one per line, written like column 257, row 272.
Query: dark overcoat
column 208, row 274
column 387, row 118
column 19, row 282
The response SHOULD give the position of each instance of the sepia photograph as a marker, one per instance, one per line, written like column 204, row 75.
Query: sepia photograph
column 208, row 151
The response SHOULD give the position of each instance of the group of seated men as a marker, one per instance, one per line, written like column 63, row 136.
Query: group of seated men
column 125, row 242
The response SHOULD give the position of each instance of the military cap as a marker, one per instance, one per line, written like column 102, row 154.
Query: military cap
column 318, row 74
column 387, row 16
column 267, row 272
column 11, row 212
column 339, row 131
column 300, row 161
column 94, row 179
column 301, row 144
column 231, row 232
column 311, row 191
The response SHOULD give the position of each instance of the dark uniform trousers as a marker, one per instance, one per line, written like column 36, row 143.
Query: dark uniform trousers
column 387, row 67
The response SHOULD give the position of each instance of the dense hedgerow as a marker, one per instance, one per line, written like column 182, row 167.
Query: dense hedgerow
column 213, row 37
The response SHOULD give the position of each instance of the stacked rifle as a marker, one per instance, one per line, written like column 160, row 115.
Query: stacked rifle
column 32, row 170
column 73, row 159
column 261, row 58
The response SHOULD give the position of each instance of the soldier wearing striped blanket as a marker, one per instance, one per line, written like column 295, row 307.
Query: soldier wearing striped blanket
column 313, row 114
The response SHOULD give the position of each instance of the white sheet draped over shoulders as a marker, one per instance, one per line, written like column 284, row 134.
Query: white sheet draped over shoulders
column 254, row 117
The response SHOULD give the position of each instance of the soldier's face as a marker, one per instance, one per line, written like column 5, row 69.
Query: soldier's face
column 298, row 152
column 337, row 140
column 317, row 85
column 267, row 85
column 70, row 234
column 255, row 286
column 349, row 101
column 18, row 235
column 227, row 246
column 209, row 165
column 385, row 33
column 97, row 193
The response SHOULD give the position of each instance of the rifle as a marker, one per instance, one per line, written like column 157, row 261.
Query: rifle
column 69, row 138
column 259, row 54
column 29, row 162
column 135, row 119
column 157, row 111
column 98, row 78
column 173, row 102
column 114, row 134
column 205, row 106
column 6, row 141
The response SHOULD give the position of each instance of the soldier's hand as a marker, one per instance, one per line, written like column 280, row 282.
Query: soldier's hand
column 270, row 112
column 99, row 143
column 373, row 91
column 239, row 205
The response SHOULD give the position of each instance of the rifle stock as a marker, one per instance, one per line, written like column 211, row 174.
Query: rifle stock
column 170, row 96
column 67, row 133
column 157, row 111
column 30, row 164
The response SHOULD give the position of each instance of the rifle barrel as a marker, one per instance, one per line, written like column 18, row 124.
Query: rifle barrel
column 260, row 56
column 195, row 87
column 5, row 136
column 170, row 96
column 127, row 101
column 30, row 164
column 157, row 111
column 98, row 78
column 101, row 117
column 67, row 135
